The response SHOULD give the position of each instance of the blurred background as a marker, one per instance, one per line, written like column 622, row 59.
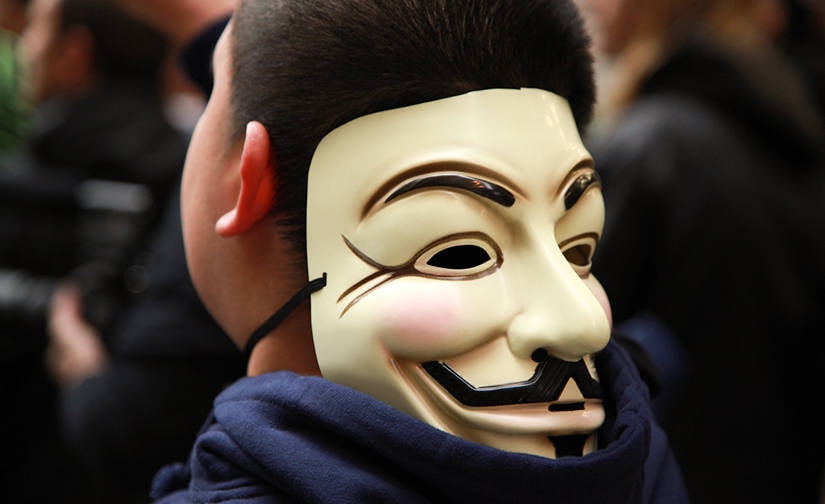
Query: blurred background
column 709, row 138
column 710, row 141
column 108, row 361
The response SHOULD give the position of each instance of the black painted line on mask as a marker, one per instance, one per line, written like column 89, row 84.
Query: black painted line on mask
column 576, row 406
column 546, row 384
column 483, row 188
column 569, row 446
column 579, row 187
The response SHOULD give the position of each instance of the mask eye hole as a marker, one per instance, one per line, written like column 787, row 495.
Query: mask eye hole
column 461, row 258
column 579, row 255
column 578, row 251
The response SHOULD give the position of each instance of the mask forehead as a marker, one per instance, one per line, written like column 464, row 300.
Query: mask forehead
column 506, row 130
column 387, row 191
column 526, row 138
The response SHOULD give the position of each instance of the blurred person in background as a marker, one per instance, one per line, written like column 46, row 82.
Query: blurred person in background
column 13, row 106
column 135, row 355
column 140, row 405
column 98, row 117
column 95, row 76
column 711, row 152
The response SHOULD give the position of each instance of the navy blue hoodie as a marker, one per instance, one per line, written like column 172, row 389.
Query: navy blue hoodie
column 281, row 437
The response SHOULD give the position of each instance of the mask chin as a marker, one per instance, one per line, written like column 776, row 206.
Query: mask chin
column 564, row 427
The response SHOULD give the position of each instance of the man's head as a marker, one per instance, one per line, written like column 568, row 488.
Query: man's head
column 288, row 73
column 304, row 67
column 73, row 45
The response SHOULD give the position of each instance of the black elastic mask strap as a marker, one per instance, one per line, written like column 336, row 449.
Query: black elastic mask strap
column 279, row 316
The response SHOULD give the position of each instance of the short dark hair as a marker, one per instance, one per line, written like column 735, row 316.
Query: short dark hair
column 123, row 45
column 304, row 67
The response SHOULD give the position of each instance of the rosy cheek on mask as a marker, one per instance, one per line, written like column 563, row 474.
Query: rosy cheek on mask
column 601, row 296
column 421, row 323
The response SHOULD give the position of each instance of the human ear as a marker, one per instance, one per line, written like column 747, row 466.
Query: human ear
column 257, row 193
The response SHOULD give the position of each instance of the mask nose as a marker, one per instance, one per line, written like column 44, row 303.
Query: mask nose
column 559, row 316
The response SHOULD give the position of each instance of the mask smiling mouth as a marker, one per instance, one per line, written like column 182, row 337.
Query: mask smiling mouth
column 546, row 384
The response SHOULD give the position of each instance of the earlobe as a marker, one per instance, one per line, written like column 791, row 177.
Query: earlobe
column 257, row 192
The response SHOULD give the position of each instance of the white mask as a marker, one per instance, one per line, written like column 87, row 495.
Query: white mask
column 457, row 236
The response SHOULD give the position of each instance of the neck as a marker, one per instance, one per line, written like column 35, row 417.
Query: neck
column 288, row 347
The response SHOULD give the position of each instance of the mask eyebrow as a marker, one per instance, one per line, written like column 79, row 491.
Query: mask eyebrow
column 469, row 171
column 483, row 188
column 584, row 177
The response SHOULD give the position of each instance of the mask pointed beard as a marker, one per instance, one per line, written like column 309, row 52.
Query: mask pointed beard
column 546, row 384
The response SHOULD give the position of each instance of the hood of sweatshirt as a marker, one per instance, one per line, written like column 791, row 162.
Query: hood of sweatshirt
column 310, row 440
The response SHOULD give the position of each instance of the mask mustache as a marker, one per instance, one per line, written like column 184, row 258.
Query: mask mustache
column 546, row 384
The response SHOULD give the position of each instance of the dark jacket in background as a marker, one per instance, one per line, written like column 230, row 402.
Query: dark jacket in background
column 714, row 186
column 169, row 359
column 117, row 133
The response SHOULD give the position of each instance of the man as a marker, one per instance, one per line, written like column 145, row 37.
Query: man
column 448, row 217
